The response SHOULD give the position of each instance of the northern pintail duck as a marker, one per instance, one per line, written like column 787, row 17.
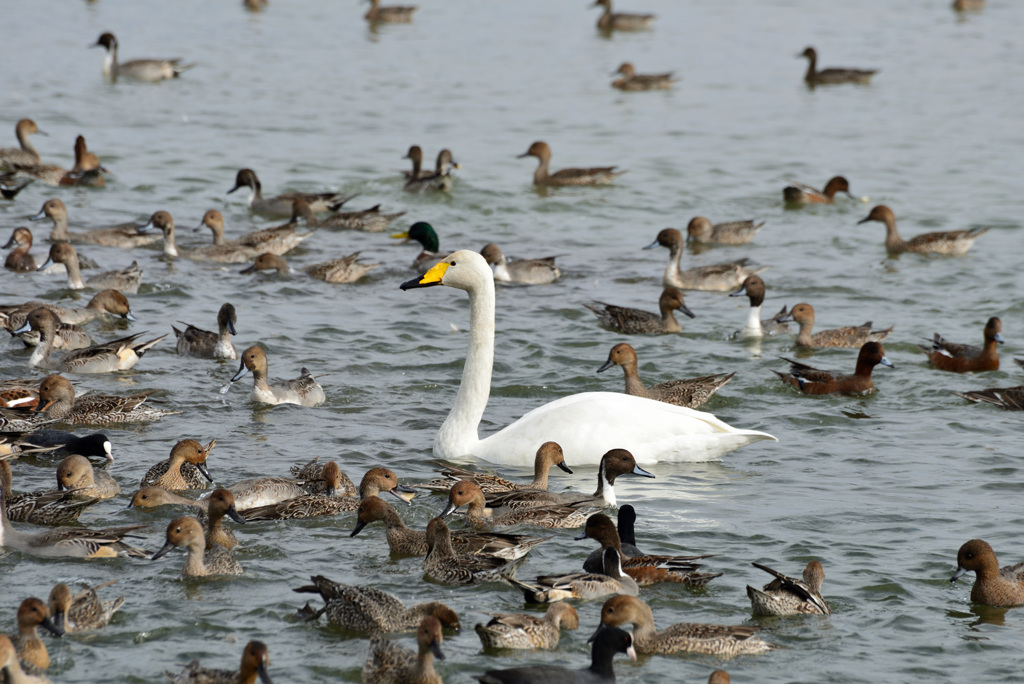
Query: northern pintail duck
column 968, row 5
column 11, row 668
column 523, row 271
column 187, row 532
column 106, row 302
column 634, row 82
column 951, row 242
column 548, row 454
column 636, row 321
column 18, row 259
column 255, row 661
column 371, row 220
column 847, row 337
column 684, row 637
column 327, row 478
column 444, row 566
column 714, row 278
column 627, row 541
column 440, row 179
column 814, row 381
column 966, row 358
column 1009, row 398
column 26, row 153
column 42, row 508
column 832, row 76
column 184, row 469
column 68, row 337
column 303, row 390
column 82, row 611
column 798, row 193
column 222, row 503
column 753, row 288
column 389, row 14
column 701, row 230
column 599, row 175
column 203, row 344
column 60, row 404
column 389, row 663
column 993, row 586
column 151, row 70
column 265, row 491
column 516, row 630
column 368, row 609
column 107, row 357
column 153, row 497
column 606, row 643
column 76, row 474
column 32, row 653
column 691, row 392
column 581, row 585
column 424, row 234
column 788, row 596
column 87, row 171
column 281, row 205
column 347, row 269
column 375, row 481
column 620, row 21
column 117, row 236
column 276, row 240
column 124, row 280
column 550, row 515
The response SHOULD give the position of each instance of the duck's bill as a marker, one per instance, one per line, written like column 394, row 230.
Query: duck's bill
column 264, row 676
column 448, row 510
column 25, row 327
column 607, row 364
column 686, row 310
column 236, row 516
column 46, row 264
column 38, row 217
column 163, row 551
column 358, row 528
column 564, row 467
column 652, row 245
column 637, row 470
column 958, row 574
column 886, row 362
column 435, row 648
column 206, row 473
column 242, row 370
column 740, row 292
column 581, row 536
column 404, row 493
column 428, row 279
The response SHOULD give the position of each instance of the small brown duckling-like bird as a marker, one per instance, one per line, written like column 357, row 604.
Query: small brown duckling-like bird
column 632, row 81
column 813, row 77
column 187, row 532
column 599, row 175
column 255, row 661
column 19, row 259
column 389, row 663
column 636, row 321
column 966, row 358
column 813, row 381
column 949, row 243
column 82, row 611
column 691, row 392
column 993, row 586
column 788, row 596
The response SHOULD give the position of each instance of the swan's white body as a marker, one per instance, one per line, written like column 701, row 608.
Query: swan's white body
column 586, row 425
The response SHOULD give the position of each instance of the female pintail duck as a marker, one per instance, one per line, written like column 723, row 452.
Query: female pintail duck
column 442, row 565
column 634, row 82
column 222, row 503
column 347, row 269
column 951, row 242
column 645, row 570
column 43, row 508
column 636, row 321
column 691, row 393
column 152, row 497
column 117, row 236
column 548, row 454
column 523, row 271
column 371, row 220
column 187, row 532
column 59, row 403
column 813, row 77
column 966, row 358
column 968, row 5
column 391, row 14
column 701, row 230
column 389, row 663
column 714, row 278
column 1009, row 398
column 627, row 541
column 106, row 357
column 255, row 661
column 993, row 586
column 599, row 175
column 24, row 155
column 606, row 643
column 125, row 279
column 276, row 240
column 424, row 234
column 68, row 337
column 303, row 390
column 265, row 491
column 82, row 611
column 374, row 482
column 18, row 259
column 848, row 337
column 440, row 179
column 151, row 70
column 581, row 585
column 203, row 344
column 798, row 193
column 516, row 630
column 814, row 381
column 620, row 21
column 685, row 637
column 77, row 475
column 184, row 469
column 32, row 614
column 327, row 478
column 542, row 514
column 652, row 431
column 368, row 609
column 11, row 668
column 753, row 288
column 281, row 205
column 787, row 596
column 106, row 302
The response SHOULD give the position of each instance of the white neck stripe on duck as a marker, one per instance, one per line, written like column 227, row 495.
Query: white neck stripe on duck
column 605, row 490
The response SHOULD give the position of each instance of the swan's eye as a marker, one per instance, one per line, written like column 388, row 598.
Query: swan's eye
column 452, row 263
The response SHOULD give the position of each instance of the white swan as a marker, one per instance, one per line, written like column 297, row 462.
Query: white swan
column 586, row 424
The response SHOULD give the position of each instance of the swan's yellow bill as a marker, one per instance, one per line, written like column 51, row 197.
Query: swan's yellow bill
column 431, row 277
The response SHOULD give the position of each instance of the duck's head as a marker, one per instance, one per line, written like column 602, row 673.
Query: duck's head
column 60, row 602
column 621, row 610
column 227, row 318
column 975, row 556
column 551, row 453
column 213, row 220
column 107, row 41
column 601, row 529
column 752, row 287
column 150, row 497
column 377, row 480
column 994, row 330
column 429, row 636
column 621, row 354
column 255, row 660
column 245, row 178
column 183, row 531
column 52, row 209
column 462, row 492
column 222, row 502
column 34, row 613
column 253, row 359
column 73, row 472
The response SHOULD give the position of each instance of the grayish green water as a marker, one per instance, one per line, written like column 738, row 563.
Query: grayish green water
column 882, row 490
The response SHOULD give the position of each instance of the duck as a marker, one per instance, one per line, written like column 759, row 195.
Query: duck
column 599, row 175
column 153, row 497
column 848, row 337
column 116, row 355
column 633, row 81
column 606, row 643
column 627, row 541
column 368, row 609
column 701, row 230
column 281, row 205
column 151, row 70
column 691, row 393
column 19, row 259
column 25, row 153
column 187, row 532
column 327, row 478
column 203, row 344
column 813, row 77
column 545, row 514
column 303, row 390
column 993, row 586
column 968, row 5
column 21, row 393
column 652, row 431
column 441, row 178
column 523, row 271
column 811, row 380
column 548, row 454
column 255, row 664
column 798, row 193
column 347, row 269
column 787, row 596
column 684, row 637
column 221, row 503
column 949, row 243
column 124, row 280
column 106, row 302
column 116, row 236
column 11, row 668
column 966, row 358
column 389, row 663
column 375, row 481
column 276, row 240
column 265, row 491
column 442, row 565
column 636, row 321
column 620, row 21
column 76, row 474
column 32, row 653
column 87, row 171
column 9, row 190
column 371, row 220
column 519, row 631
column 424, row 234
column 581, row 585
column 1009, row 398
column 390, row 14
column 753, row 288
column 83, row 611
column 60, row 404
column 184, row 469
column 68, row 337
column 714, row 278
column 42, row 508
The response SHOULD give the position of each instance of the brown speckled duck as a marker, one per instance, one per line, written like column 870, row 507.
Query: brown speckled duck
column 950, row 243
column 691, row 392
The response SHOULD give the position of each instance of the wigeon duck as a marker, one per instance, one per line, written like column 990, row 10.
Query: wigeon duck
column 753, row 288
column 581, row 585
column 993, row 586
column 347, row 269
column 620, row 21
column 18, row 259
column 636, row 321
column 281, row 205
column 26, row 153
column 59, row 403
column 106, row 357
column 516, row 630
column 255, row 664
column 222, row 503
column 107, row 302
column 76, row 474
column 714, row 278
column 303, row 390
column 124, row 280
column 787, row 596
column 546, row 514
column 522, row 271
column 371, row 220
column 151, row 70
column 813, row 77
column 633, row 81
column 691, row 392
column 11, row 668
column 203, row 344
column 117, row 236
column 389, row 663
column 627, row 541
column 389, row 14
column 813, row 381
column 368, row 609
column 326, row 477
column 966, row 358
column 32, row 653
column 444, row 566
column 418, row 180
column 849, row 337
column 951, row 243
column 1009, row 398
column 599, row 175
column 684, row 637
column 187, row 532
column 798, row 193
column 548, row 454
column 606, row 643
column 41, row 508
column 374, row 482
column 701, row 230
column 184, row 469
column 424, row 234
column 82, row 611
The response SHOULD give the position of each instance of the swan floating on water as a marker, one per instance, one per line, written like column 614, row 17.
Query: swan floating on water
column 587, row 424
